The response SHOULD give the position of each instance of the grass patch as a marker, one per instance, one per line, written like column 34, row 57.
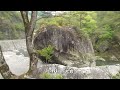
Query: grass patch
column 117, row 76
column 51, row 76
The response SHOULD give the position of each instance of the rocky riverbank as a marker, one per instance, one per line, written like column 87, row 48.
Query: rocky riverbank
column 19, row 64
column 18, row 61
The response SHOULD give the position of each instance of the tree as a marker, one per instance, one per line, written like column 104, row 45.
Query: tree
column 11, row 26
column 29, row 29
column 108, row 27
column 85, row 21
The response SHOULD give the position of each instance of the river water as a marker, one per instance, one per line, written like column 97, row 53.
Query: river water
column 16, row 56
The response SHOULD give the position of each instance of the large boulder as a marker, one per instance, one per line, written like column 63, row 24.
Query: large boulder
column 56, row 71
column 71, row 47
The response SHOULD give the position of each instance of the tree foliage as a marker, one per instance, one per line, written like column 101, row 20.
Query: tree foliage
column 46, row 52
column 83, row 20
column 11, row 25
column 100, row 26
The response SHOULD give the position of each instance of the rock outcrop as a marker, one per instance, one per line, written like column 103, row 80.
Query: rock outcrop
column 70, row 46
column 98, row 72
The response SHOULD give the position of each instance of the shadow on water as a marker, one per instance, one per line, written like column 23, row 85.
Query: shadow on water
column 100, row 63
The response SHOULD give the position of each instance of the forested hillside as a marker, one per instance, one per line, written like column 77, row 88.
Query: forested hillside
column 60, row 44
column 102, row 27
column 107, row 35
column 11, row 25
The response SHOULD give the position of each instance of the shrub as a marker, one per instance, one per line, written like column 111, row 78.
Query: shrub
column 51, row 76
column 47, row 52
column 58, row 76
column 45, row 76
column 117, row 76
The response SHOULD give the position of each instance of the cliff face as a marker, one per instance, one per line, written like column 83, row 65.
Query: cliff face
column 69, row 47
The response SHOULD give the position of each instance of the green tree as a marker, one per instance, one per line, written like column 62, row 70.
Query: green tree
column 11, row 25
column 83, row 20
column 107, row 32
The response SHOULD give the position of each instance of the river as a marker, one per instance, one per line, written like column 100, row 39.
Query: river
column 17, row 58
column 16, row 55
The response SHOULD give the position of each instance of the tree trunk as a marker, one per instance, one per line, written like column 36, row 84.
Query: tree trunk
column 29, row 29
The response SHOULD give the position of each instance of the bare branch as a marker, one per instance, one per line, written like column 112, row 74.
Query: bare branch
column 24, row 15
column 32, row 22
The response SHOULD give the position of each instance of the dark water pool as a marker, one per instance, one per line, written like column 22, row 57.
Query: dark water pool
column 100, row 63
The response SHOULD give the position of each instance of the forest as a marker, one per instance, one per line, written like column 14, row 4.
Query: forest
column 60, row 44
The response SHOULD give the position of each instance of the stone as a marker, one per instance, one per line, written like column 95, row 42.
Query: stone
column 98, row 72
column 112, row 70
column 99, row 58
column 113, row 58
column 103, row 46
column 70, row 47
column 22, row 52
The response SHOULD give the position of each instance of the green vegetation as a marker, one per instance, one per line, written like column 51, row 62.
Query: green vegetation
column 91, row 22
column 51, row 76
column 45, row 76
column 47, row 52
column 81, row 19
column 117, row 76
column 102, row 27
column 11, row 25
